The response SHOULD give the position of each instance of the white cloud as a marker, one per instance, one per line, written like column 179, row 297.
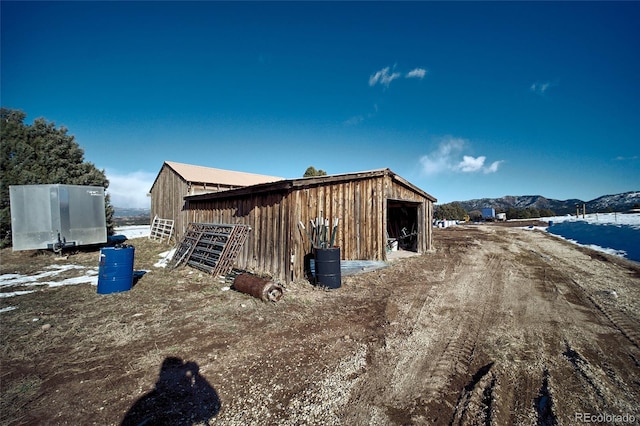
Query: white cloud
column 416, row 73
column 471, row 164
column 540, row 88
column 130, row 189
column 493, row 167
column 358, row 119
column 386, row 75
column 442, row 159
column 383, row 77
column 354, row 121
column 446, row 159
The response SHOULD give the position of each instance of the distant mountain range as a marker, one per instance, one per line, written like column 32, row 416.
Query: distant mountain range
column 614, row 203
column 130, row 212
column 607, row 203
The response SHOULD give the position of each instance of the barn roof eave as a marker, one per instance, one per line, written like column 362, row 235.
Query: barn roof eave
column 413, row 187
column 288, row 184
column 278, row 186
column 164, row 164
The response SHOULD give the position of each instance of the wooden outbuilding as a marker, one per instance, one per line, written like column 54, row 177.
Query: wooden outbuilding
column 374, row 208
column 177, row 180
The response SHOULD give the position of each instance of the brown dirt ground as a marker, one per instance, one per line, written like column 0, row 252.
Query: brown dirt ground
column 497, row 326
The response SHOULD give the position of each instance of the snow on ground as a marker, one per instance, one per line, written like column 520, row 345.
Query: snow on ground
column 15, row 293
column 47, row 277
column 620, row 253
column 42, row 278
column 85, row 275
column 165, row 257
column 133, row 231
column 630, row 219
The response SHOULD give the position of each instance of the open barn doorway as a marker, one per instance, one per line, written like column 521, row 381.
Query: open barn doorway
column 402, row 225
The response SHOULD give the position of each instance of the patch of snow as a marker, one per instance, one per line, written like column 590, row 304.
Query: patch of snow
column 532, row 228
column 8, row 308
column 90, row 278
column 9, row 277
column 7, row 280
column 166, row 257
column 620, row 253
column 15, row 293
column 43, row 278
column 133, row 231
column 630, row 219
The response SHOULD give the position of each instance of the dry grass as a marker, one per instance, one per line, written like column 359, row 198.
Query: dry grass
column 72, row 356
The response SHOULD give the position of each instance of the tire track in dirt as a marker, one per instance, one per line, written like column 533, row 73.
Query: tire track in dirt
column 475, row 402
column 589, row 291
column 625, row 325
column 497, row 326
column 580, row 367
column 475, row 398
column 458, row 354
column 513, row 386
column 593, row 371
column 421, row 369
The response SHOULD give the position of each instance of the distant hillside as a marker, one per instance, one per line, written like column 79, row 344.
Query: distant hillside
column 606, row 203
column 130, row 212
column 129, row 216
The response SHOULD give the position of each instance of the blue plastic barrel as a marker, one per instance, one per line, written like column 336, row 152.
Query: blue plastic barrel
column 115, row 272
column 327, row 266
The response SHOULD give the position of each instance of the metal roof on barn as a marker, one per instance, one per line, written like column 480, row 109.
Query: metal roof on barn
column 210, row 175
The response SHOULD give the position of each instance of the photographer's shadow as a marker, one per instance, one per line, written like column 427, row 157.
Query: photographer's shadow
column 181, row 397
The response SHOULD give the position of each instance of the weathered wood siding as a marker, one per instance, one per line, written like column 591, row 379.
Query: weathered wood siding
column 267, row 246
column 359, row 204
column 168, row 192
column 277, row 245
column 195, row 188
column 167, row 198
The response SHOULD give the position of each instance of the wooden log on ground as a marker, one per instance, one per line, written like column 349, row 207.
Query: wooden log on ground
column 261, row 288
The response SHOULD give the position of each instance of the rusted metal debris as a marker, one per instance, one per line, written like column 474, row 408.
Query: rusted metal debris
column 261, row 288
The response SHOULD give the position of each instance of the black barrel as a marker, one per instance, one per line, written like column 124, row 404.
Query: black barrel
column 327, row 265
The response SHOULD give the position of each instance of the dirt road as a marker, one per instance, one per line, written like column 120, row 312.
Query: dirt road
column 497, row 326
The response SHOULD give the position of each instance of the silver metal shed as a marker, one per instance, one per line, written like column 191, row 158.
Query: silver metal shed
column 57, row 216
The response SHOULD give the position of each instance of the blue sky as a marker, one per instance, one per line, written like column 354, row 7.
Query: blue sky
column 465, row 100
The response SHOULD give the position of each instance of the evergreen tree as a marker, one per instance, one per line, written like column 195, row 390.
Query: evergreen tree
column 450, row 211
column 40, row 153
column 311, row 171
column 546, row 213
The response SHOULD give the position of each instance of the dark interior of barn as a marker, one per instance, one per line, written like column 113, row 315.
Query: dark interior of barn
column 402, row 225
